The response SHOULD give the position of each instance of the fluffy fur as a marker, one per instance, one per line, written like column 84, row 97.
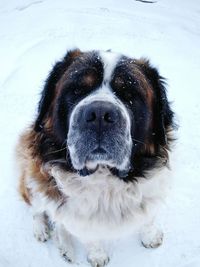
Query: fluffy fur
column 97, row 195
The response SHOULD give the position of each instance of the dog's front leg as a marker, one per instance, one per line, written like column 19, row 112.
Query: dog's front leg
column 97, row 256
column 151, row 235
column 64, row 242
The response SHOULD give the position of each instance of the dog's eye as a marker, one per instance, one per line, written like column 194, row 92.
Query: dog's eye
column 128, row 95
column 119, row 82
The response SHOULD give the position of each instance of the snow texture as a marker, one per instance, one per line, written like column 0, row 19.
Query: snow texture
column 34, row 34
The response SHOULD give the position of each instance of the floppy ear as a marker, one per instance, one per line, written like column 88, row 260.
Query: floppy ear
column 163, row 115
column 48, row 92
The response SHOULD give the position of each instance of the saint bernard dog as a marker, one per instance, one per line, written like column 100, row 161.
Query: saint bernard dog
column 91, row 164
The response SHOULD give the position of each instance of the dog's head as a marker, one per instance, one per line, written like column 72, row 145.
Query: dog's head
column 106, row 109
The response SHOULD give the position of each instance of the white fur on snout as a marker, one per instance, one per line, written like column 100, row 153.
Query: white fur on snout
column 102, row 94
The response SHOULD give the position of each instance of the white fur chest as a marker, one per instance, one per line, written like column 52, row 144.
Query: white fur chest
column 101, row 206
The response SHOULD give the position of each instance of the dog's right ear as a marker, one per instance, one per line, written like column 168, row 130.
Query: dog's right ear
column 163, row 115
column 48, row 92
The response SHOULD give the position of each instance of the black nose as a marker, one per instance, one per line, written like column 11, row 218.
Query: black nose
column 100, row 115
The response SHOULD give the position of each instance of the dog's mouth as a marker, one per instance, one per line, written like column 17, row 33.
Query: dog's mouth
column 119, row 173
column 88, row 156
column 99, row 158
column 99, row 150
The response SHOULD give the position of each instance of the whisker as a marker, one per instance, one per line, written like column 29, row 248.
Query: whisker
column 72, row 103
column 55, row 151
column 138, row 141
column 63, row 143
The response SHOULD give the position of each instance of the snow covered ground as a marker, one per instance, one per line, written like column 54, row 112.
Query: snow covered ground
column 33, row 35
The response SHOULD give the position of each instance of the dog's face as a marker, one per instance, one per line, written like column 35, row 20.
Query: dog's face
column 100, row 123
column 106, row 108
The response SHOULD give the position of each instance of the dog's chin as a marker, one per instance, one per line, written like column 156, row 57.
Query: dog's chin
column 94, row 164
column 98, row 159
column 86, row 171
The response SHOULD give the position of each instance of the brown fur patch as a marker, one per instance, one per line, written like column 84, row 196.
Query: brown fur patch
column 89, row 79
column 59, row 86
column 119, row 82
column 149, row 148
column 75, row 53
column 23, row 189
column 31, row 166
column 144, row 85
column 48, row 122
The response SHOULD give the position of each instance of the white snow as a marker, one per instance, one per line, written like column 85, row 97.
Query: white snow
column 34, row 34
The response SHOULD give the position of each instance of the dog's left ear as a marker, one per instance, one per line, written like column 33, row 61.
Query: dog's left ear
column 163, row 115
column 49, row 90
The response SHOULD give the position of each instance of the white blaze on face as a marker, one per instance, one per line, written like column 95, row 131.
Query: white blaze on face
column 110, row 60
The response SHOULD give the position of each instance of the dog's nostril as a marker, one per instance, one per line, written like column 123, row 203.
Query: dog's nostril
column 91, row 117
column 108, row 118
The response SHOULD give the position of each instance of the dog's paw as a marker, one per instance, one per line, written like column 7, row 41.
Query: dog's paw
column 67, row 254
column 40, row 227
column 64, row 242
column 152, row 238
column 41, row 232
column 98, row 258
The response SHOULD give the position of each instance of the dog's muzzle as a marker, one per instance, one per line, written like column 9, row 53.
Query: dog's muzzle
column 99, row 133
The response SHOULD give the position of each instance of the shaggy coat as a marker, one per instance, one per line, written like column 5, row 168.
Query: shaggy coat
column 97, row 178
